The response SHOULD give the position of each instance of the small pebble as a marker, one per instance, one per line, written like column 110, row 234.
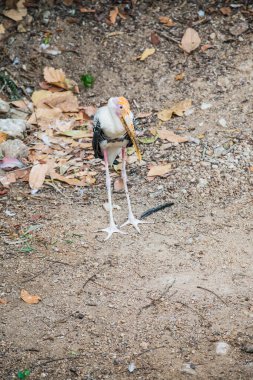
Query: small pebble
column 222, row 348
column 222, row 122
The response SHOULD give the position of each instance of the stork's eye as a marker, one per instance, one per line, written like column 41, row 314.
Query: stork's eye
column 121, row 107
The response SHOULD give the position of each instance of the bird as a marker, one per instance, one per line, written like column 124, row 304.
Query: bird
column 114, row 131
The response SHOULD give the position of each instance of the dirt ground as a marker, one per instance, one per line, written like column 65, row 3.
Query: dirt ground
column 152, row 305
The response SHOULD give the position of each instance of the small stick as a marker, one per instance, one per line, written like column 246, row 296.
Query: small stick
column 33, row 277
column 86, row 282
column 169, row 38
column 102, row 286
column 212, row 292
column 155, row 301
column 189, row 307
column 150, row 349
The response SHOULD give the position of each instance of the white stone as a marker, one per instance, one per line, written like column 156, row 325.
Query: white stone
column 222, row 348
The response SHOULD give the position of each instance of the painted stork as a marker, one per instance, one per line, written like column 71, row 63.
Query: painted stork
column 113, row 131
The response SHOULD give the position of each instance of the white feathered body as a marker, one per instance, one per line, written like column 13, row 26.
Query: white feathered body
column 113, row 129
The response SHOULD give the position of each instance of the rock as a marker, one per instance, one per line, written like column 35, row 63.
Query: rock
column 248, row 348
column 4, row 106
column 222, row 122
column 205, row 106
column 222, row 348
column 202, row 182
column 45, row 17
column 131, row 367
column 13, row 127
column 219, row 151
column 188, row 368
column 239, row 28
column 14, row 149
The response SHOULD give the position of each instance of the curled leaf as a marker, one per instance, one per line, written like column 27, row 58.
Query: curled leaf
column 167, row 21
column 28, row 298
column 178, row 109
column 113, row 15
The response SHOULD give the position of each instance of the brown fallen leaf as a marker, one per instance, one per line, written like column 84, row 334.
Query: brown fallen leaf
column 155, row 39
column 65, row 101
column 37, row 176
column 87, row 10
column 3, row 137
column 68, row 2
column 69, row 181
column 167, row 21
column 28, row 298
column 44, row 117
column 52, row 75
column 16, row 14
column 58, row 78
column 178, row 109
column 3, row 301
column 159, row 170
column 165, row 134
column 180, row 76
column 190, row 40
column 226, row 11
column 2, row 29
column 147, row 52
column 142, row 115
column 113, row 15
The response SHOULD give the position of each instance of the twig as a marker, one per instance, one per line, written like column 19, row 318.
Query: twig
column 59, row 262
column 212, row 292
column 195, row 311
column 86, row 282
column 105, row 287
column 155, row 301
column 33, row 277
column 150, row 349
column 169, row 38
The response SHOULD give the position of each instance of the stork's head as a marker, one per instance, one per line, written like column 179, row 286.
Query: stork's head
column 121, row 108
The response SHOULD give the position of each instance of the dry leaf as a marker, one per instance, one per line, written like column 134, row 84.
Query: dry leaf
column 118, row 184
column 178, row 109
column 3, row 137
column 170, row 136
column 167, row 21
column 113, row 15
column 190, row 40
column 87, row 10
column 180, row 76
column 89, row 110
column 146, row 54
column 142, row 115
column 2, row 29
column 44, row 118
column 69, row 181
column 7, row 179
column 155, row 39
column 28, row 298
column 39, row 95
column 37, row 176
column 66, row 101
column 54, row 76
column 251, row 168
column 226, row 11
column 16, row 14
column 3, row 301
column 159, row 170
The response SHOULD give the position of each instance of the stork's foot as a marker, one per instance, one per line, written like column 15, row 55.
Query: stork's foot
column 132, row 220
column 111, row 230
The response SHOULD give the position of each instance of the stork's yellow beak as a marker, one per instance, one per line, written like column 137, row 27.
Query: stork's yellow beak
column 129, row 127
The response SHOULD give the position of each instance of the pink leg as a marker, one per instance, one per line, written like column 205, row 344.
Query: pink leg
column 131, row 219
column 112, row 227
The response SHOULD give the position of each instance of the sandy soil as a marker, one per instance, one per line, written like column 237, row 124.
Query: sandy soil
column 162, row 300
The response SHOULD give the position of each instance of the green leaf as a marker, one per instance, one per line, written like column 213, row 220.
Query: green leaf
column 148, row 140
column 87, row 80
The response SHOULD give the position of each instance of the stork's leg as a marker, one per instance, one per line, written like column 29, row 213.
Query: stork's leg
column 112, row 227
column 131, row 219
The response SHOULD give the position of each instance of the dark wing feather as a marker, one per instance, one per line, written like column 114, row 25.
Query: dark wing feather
column 98, row 137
